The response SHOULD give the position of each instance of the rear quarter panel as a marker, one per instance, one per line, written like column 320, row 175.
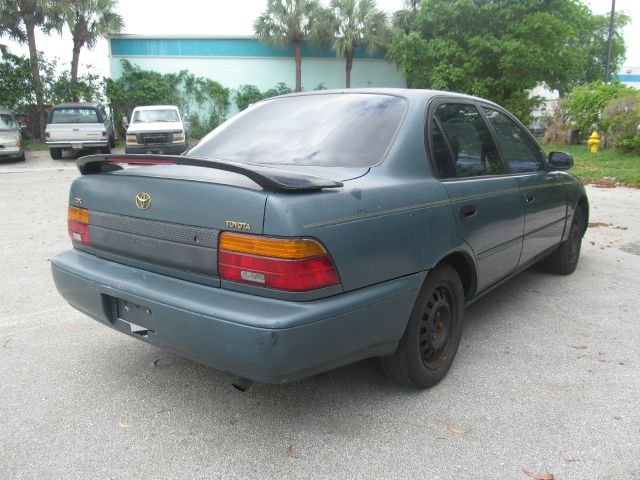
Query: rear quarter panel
column 394, row 221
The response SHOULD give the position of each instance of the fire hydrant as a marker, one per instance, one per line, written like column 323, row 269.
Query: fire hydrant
column 594, row 142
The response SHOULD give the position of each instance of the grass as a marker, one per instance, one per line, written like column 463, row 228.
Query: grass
column 607, row 167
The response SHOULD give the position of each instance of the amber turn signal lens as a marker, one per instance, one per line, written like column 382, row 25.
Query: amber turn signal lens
column 270, row 247
column 78, row 214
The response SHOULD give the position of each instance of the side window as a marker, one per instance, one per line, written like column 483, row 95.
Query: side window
column 469, row 144
column 519, row 151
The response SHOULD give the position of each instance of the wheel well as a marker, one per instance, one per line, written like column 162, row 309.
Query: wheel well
column 466, row 270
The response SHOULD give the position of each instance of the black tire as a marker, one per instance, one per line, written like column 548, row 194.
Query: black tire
column 112, row 141
column 56, row 153
column 564, row 259
column 105, row 150
column 431, row 339
column 22, row 157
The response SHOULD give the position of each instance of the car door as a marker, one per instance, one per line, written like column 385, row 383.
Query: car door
column 542, row 191
column 486, row 201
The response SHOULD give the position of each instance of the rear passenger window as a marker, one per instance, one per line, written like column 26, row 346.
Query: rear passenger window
column 462, row 144
column 518, row 149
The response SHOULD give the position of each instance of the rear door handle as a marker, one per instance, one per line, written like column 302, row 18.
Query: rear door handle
column 530, row 198
column 468, row 211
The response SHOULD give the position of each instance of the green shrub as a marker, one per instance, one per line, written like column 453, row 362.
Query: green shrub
column 586, row 102
column 248, row 94
column 620, row 122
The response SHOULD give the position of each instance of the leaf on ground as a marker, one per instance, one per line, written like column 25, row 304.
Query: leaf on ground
column 567, row 458
column 290, row 453
column 598, row 224
column 579, row 347
column 457, row 431
column 4, row 343
column 544, row 476
column 122, row 424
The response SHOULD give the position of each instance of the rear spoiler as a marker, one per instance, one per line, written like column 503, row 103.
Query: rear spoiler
column 268, row 178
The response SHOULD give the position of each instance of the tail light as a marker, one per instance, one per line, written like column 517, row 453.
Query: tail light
column 78, row 224
column 288, row 264
column 104, row 134
column 47, row 135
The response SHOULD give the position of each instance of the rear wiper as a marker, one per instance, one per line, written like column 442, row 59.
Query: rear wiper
column 268, row 178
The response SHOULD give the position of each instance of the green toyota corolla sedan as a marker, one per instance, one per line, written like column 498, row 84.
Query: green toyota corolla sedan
column 317, row 229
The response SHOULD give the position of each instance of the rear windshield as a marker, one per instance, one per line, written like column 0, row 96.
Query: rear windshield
column 147, row 116
column 74, row 115
column 7, row 122
column 341, row 130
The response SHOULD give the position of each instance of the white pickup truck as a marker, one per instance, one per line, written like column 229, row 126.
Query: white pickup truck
column 78, row 126
column 156, row 129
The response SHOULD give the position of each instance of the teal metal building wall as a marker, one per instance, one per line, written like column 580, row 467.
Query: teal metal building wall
column 234, row 61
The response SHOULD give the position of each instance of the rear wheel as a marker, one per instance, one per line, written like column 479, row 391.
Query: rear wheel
column 112, row 141
column 56, row 153
column 431, row 340
column 565, row 258
column 22, row 157
column 105, row 150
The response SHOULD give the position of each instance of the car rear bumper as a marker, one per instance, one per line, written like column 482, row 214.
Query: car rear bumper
column 79, row 144
column 11, row 152
column 262, row 339
column 158, row 149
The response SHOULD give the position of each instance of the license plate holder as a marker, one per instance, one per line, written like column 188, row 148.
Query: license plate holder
column 76, row 146
column 139, row 317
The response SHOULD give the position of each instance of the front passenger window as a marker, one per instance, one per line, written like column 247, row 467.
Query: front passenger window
column 518, row 149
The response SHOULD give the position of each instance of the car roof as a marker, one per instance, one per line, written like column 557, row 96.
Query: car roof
column 412, row 94
column 157, row 107
column 76, row 105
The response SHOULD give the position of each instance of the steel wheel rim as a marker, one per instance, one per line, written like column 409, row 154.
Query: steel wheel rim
column 436, row 325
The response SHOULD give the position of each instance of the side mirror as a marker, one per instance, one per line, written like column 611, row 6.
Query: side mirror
column 125, row 122
column 560, row 161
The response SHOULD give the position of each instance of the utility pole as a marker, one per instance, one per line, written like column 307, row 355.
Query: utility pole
column 608, row 62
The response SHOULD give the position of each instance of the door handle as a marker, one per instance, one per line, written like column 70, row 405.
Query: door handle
column 530, row 198
column 468, row 211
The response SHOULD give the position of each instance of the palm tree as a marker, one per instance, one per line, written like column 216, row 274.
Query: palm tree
column 88, row 21
column 403, row 19
column 357, row 23
column 19, row 20
column 289, row 22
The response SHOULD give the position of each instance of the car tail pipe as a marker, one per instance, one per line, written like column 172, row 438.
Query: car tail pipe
column 242, row 384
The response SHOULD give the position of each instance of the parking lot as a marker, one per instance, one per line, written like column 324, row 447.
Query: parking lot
column 547, row 378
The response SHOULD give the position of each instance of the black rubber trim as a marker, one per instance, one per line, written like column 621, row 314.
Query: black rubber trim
column 268, row 178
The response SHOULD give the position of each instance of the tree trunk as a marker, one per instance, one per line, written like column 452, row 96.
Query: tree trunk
column 75, row 61
column 349, row 56
column 35, row 71
column 298, row 58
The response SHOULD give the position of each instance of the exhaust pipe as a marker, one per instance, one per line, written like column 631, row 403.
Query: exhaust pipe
column 242, row 384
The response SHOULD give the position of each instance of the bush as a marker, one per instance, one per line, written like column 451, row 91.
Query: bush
column 249, row 94
column 620, row 122
column 137, row 87
column 557, row 127
column 586, row 102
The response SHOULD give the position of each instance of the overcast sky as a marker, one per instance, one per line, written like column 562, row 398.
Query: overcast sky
column 229, row 17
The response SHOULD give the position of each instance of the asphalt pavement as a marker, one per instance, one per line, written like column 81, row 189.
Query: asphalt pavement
column 547, row 378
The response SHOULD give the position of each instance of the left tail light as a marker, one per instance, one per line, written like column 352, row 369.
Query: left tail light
column 78, row 225
column 295, row 264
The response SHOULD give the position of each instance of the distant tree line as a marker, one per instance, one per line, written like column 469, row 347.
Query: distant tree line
column 86, row 20
column 497, row 49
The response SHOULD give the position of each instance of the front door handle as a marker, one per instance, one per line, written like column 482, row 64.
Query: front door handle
column 530, row 198
column 468, row 211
